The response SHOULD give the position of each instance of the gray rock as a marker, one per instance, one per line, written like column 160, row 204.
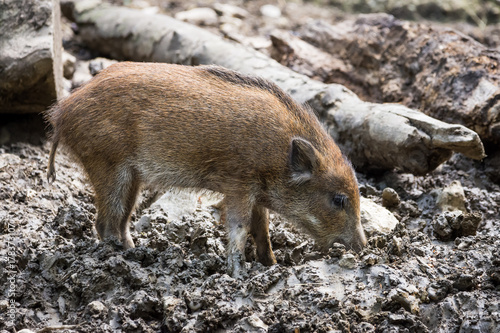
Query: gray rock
column 375, row 218
column 452, row 198
column 98, row 64
column 224, row 9
column 69, row 61
column 199, row 16
column 143, row 224
column 348, row 261
column 390, row 198
column 270, row 11
column 96, row 309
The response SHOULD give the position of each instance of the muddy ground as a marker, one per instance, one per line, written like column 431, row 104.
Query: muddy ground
column 428, row 274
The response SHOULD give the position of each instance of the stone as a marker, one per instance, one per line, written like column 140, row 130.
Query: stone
column 98, row 64
column 96, row 308
column 143, row 224
column 69, row 61
column 224, row 9
column 199, row 16
column 390, row 198
column 452, row 198
column 348, row 261
column 375, row 218
column 270, row 11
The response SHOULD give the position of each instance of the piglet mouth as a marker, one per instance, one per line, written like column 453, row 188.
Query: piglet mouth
column 355, row 244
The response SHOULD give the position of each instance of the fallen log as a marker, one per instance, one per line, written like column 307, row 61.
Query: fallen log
column 475, row 11
column 439, row 71
column 375, row 136
column 30, row 55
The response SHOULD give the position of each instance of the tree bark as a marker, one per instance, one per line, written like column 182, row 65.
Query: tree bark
column 375, row 136
column 30, row 55
column 439, row 71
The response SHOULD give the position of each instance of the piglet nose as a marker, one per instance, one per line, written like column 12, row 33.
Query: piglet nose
column 358, row 241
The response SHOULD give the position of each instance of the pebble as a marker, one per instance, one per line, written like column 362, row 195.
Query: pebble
column 390, row 198
column 375, row 218
column 452, row 198
column 348, row 261
column 98, row 64
column 143, row 224
column 69, row 61
column 96, row 308
column 256, row 322
column 199, row 16
column 225, row 9
column 270, row 11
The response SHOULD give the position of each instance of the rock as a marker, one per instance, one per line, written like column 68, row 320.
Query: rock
column 25, row 330
column 98, row 64
column 407, row 301
column 224, row 9
column 69, row 61
column 199, row 16
column 270, row 11
column 82, row 74
column 450, row 225
column 30, row 58
column 143, row 224
column 348, row 261
column 96, row 309
column 256, row 322
column 375, row 218
column 390, row 197
column 452, row 198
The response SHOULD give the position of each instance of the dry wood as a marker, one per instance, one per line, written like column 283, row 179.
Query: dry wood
column 378, row 136
column 30, row 55
column 439, row 71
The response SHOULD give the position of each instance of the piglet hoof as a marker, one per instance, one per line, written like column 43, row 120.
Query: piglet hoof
column 235, row 265
column 267, row 259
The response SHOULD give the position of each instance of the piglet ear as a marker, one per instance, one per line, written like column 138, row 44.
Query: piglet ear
column 302, row 160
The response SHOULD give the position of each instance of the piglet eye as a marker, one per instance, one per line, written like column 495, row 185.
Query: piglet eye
column 339, row 201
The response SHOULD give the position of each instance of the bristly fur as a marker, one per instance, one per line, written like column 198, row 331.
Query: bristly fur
column 259, row 83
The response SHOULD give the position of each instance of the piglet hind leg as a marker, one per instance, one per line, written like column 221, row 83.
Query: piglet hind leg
column 238, row 219
column 116, row 193
column 259, row 229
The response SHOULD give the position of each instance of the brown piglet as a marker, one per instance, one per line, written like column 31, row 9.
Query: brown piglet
column 207, row 127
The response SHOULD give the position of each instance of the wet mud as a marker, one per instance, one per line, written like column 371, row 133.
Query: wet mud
column 434, row 272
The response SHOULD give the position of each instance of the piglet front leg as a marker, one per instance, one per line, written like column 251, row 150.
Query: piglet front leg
column 238, row 219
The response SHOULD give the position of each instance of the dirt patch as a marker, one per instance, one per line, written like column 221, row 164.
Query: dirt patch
column 175, row 279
